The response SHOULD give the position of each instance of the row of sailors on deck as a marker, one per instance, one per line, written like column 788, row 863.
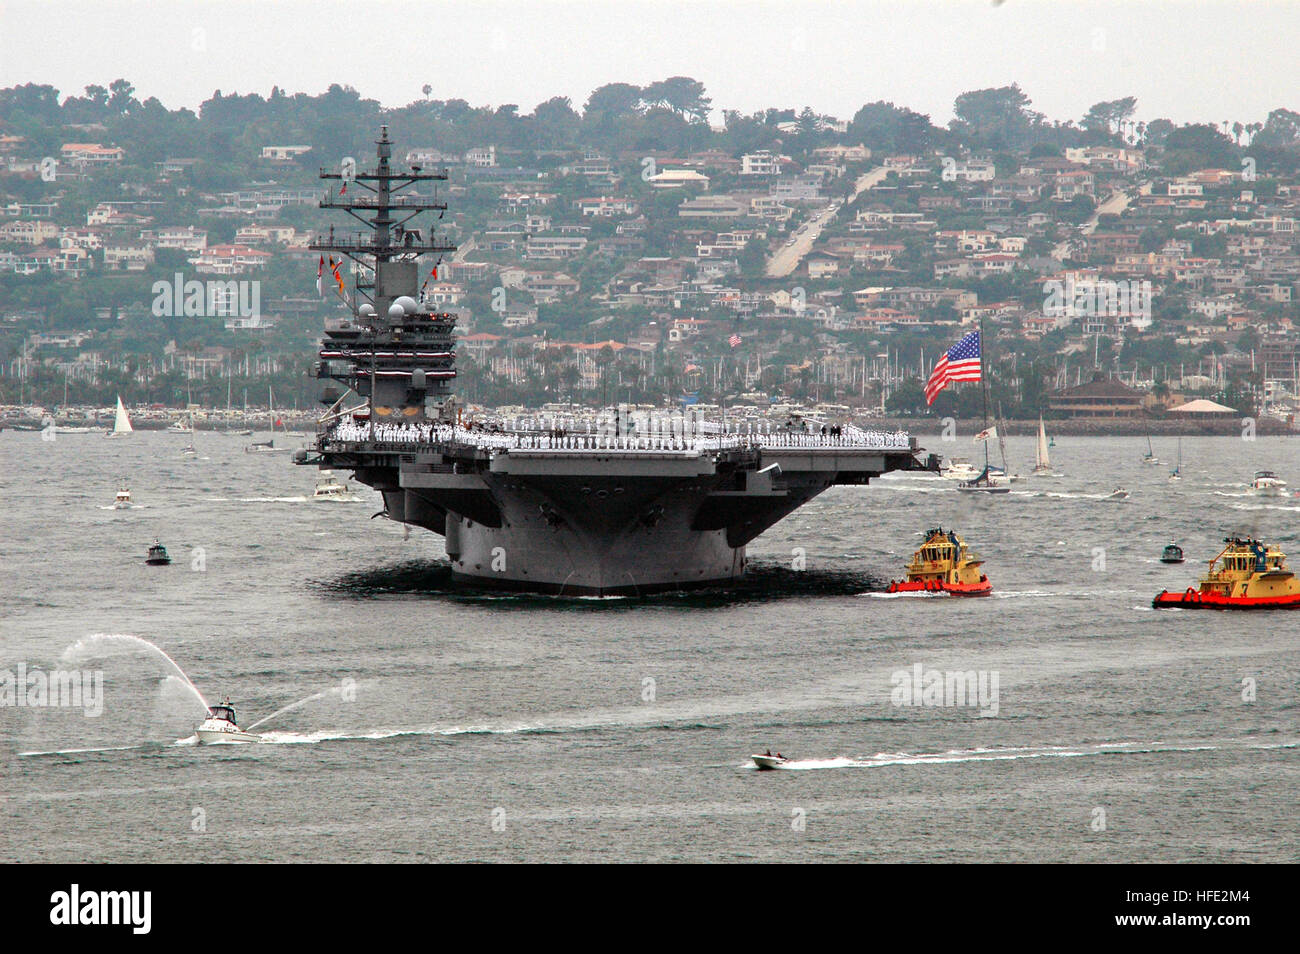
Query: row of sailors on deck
column 425, row 432
column 421, row 432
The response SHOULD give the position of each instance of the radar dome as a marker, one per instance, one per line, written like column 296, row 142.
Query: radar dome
column 395, row 310
column 407, row 302
column 366, row 309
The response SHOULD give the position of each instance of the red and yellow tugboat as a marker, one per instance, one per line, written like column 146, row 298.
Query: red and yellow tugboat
column 1250, row 575
column 944, row 565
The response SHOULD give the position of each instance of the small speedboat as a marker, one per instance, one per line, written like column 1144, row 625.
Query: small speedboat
column 220, row 726
column 189, row 451
column 329, row 488
column 959, row 468
column 1172, row 554
column 769, row 761
column 157, row 555
column 1267, row 484
column 123, row 499
column 1119, row 493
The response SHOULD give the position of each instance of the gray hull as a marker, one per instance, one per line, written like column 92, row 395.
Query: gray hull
column 580, row 559
column 610, row 524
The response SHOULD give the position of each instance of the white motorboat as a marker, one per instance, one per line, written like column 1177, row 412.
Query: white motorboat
column 329, row 488
column 765, row 762
column 123, row 499
column 220, row 727
column 959, row 468
column 180, row 427
column 1268, row 484
column 1119, row 493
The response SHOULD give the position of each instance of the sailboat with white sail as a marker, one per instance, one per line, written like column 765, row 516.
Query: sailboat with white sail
column 1042, row 463
column 121, row 421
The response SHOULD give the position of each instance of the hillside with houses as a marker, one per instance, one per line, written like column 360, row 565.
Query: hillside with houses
column 646, row 247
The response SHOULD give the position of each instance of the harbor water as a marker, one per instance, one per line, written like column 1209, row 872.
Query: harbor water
column 425, row 722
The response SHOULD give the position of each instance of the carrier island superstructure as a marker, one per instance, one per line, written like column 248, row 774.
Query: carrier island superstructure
column 628, row 503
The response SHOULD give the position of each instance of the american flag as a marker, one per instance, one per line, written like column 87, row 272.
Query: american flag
column 734, row 340
column 961, row 363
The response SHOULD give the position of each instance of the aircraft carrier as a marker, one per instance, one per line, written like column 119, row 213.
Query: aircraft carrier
column 619, row 503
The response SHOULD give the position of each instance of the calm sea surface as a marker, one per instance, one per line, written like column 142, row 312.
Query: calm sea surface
column 430, row 724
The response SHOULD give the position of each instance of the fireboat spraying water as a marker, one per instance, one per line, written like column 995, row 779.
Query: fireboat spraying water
column 220, row 726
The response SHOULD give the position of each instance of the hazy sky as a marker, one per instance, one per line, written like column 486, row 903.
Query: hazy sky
column 1186, row 61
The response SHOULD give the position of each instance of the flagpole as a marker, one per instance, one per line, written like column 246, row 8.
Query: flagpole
column 984, row 380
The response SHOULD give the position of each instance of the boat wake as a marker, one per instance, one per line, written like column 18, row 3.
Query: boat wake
column 296, row 499
column 1261, row 506
column 1007, row 594
column 959, row 756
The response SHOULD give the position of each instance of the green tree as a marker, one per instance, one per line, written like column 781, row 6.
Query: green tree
column 610, row 104
column 995, row 118
column 682, row 95
column 1109, row 116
